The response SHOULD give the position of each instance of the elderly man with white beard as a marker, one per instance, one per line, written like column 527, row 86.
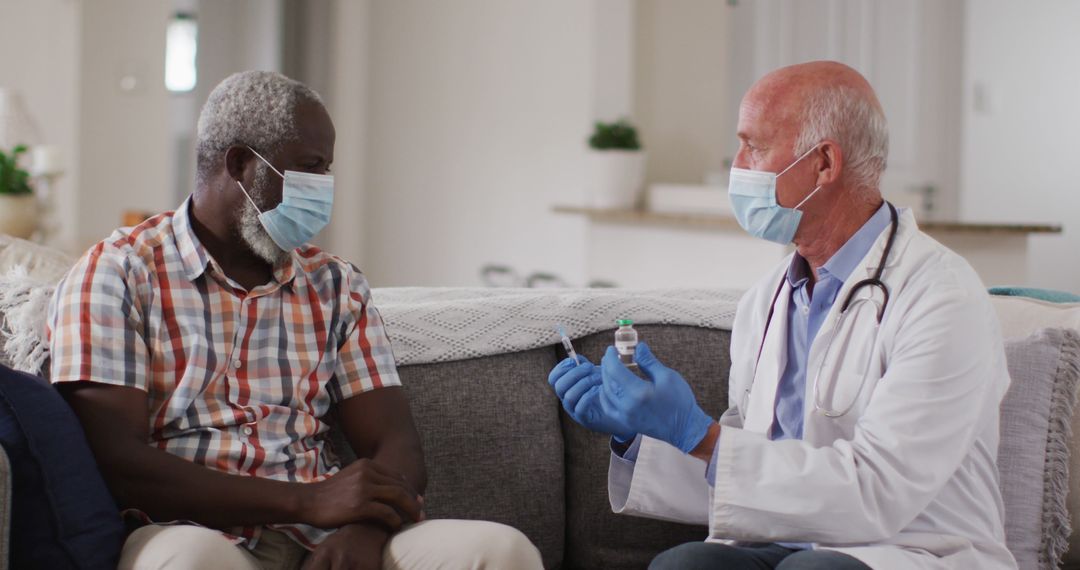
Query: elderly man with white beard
column 203, row 349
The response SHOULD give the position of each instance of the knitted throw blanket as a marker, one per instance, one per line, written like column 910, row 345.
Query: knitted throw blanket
column 24, row 307
column 442, row 324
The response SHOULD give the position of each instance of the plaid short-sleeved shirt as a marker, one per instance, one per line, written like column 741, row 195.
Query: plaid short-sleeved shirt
column 238, row 381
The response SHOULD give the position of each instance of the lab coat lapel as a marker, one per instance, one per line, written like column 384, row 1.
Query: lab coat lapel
column 865, row 270
column 761, row 406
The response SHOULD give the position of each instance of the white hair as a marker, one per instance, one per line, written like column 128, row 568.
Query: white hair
column 846, row 116
column 254, row 108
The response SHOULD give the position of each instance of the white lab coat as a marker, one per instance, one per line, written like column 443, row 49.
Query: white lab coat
column 907, row 479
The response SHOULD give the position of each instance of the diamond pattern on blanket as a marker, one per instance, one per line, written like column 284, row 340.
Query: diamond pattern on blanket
column 444, row 324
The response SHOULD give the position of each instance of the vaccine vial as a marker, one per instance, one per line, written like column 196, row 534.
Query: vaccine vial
column 626, row 340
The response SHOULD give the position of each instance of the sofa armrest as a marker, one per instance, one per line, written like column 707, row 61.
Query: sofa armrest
column 5, row 509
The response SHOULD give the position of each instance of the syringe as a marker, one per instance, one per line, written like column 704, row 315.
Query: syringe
column 567, row 344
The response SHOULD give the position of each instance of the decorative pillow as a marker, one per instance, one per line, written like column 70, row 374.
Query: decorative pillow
column 42, row 262
column 1021, row 316
column 1033, row 457
column 62, row 515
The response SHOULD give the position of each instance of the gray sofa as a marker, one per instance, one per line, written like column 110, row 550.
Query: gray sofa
column 499, row 447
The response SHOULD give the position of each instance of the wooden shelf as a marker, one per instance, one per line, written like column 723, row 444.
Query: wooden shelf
column 636, row 216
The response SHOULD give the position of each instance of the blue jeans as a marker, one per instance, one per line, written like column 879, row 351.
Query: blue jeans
column 708, row 555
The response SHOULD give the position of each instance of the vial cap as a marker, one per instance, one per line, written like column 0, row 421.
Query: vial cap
column 624, row 322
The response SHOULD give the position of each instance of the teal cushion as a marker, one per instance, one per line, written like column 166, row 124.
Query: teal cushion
column 62, row 514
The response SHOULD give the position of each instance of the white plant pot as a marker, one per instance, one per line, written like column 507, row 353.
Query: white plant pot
column 18, row 215
column 615, row 178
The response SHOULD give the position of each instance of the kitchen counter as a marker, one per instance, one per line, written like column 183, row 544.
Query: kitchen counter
column 724, row 222
column 702, row 249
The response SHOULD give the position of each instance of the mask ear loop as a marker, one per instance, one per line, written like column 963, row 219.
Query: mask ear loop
column 778, row 174
column 242, row 189
column 808, row 196
column 790, row 166
column 276, row 171
column 248, row 196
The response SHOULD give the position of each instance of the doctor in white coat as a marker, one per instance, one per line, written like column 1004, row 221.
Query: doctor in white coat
column 867, row 370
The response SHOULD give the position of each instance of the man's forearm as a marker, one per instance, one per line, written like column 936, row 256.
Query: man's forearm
column 162, row 485
column 378, row 425
column 404, row 455
column 166, row 488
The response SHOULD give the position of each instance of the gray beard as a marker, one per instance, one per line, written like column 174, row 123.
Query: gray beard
column 252, row 231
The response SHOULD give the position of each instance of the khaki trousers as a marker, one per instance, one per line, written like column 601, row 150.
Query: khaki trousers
column 434, row 544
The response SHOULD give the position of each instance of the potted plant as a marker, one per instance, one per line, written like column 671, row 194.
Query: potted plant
column 18, row 207
column 618, row 165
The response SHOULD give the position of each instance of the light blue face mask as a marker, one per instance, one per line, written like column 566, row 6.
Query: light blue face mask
column 306, row 201
column 753, row 196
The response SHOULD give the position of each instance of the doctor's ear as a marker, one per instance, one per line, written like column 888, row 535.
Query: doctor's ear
column 238, row 159
column 830, row 162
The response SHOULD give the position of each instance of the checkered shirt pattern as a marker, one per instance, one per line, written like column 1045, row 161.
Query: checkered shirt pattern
column 237, row 381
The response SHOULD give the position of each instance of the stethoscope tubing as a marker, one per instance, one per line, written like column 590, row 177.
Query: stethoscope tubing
column 872, row 282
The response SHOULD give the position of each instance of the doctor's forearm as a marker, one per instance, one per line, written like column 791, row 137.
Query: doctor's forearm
column 704, row 450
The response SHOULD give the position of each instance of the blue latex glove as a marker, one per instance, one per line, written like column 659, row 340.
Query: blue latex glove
column 663, row 409
column 578, row 386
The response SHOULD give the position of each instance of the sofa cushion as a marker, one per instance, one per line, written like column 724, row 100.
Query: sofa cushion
column 596, row 537
column 492, row 443
column 1035, row 434
column 5, row 507
column 62, row 514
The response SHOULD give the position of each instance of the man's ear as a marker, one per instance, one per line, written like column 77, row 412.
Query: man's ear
column 830, row 162
column 237, row 161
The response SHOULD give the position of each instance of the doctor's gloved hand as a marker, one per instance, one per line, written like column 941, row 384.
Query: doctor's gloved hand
column 663, row 409
column 578, row 387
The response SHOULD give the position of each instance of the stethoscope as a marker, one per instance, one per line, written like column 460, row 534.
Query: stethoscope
column 852, row 303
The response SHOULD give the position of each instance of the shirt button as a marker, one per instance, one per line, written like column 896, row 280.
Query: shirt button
column 247, row 430
column 237, row 364
column 805, row 310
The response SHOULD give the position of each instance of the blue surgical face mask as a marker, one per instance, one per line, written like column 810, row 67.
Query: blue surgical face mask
column 753, row 196
column 306, row 201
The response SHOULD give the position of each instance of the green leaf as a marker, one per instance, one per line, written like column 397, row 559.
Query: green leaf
column 618, row 135
column 14, row 180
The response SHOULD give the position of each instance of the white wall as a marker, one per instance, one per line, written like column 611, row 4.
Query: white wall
column 124, row 134
column 478, row 116
column 347, row 101
column 680, row 96
column 1022, row 139
column 614, row 62
column 40, row 40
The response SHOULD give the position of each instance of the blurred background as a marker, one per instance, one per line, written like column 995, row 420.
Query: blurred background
column 463, row 125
